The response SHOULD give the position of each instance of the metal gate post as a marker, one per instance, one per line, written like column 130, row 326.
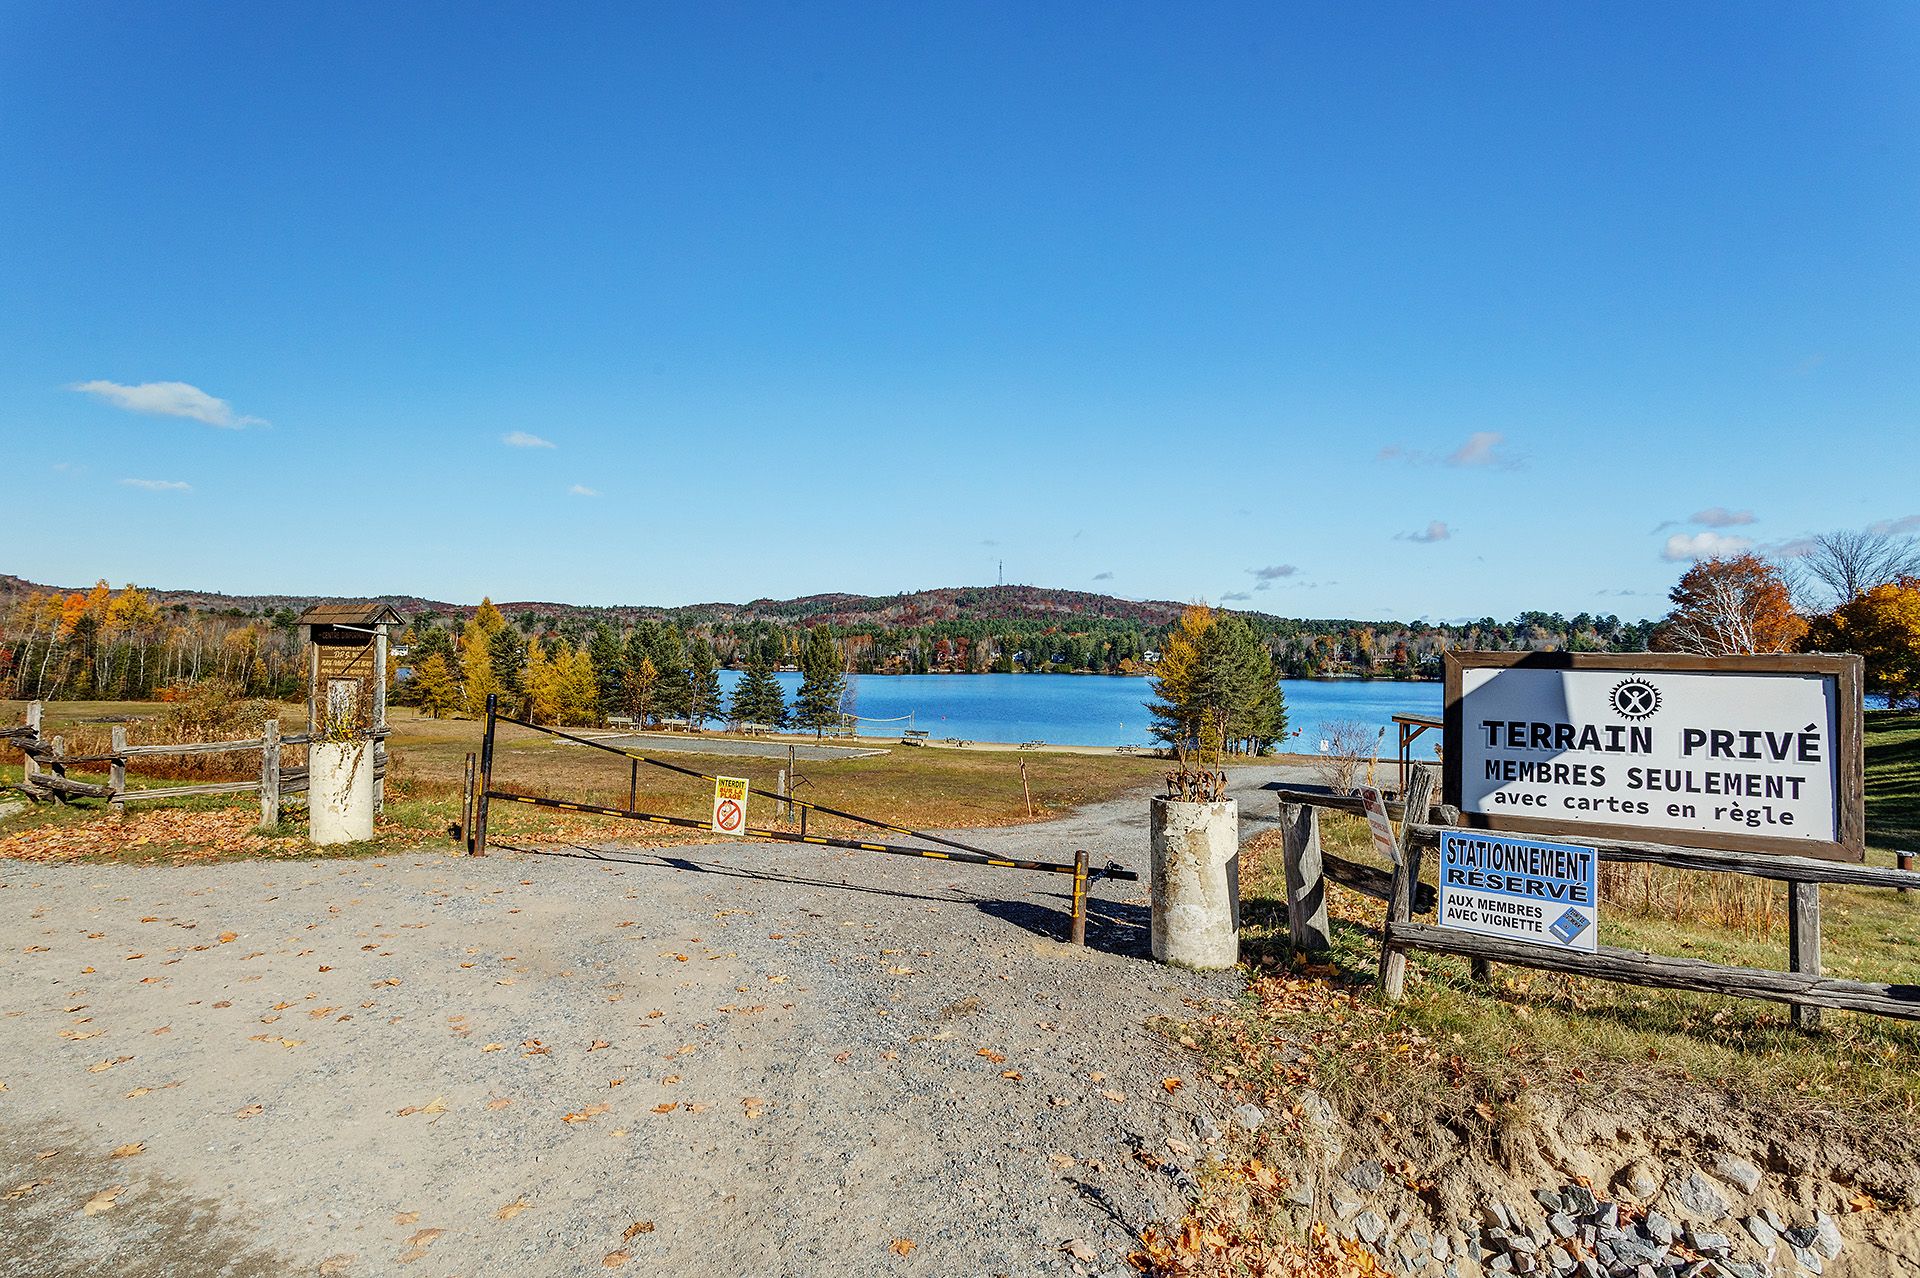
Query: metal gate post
column 486, row 778
column 1079, row 934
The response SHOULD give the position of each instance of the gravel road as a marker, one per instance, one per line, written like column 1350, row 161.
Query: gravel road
column 726, row 1059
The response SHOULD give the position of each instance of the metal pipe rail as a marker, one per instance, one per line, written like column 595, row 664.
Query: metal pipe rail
column 772, row 794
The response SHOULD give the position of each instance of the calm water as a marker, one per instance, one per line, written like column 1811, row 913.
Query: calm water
column 1099, row 710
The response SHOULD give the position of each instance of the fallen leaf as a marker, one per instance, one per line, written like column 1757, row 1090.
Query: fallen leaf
column 1171, row 1084
column 500, row 1102
column 1062, row 1161
column 1013, row 1074
column 598, row 1044
column 615, row 1259
column 129, row 1150
column 1115, row 1097
column 585, row 1114
column 901, row 1246
column 250, row 1111
column 1080, row 1249
column 425, row 1237
column 666, row 1107
column 406, row 1217
column 990, row 1054
column 637, row 1228
column 102, row 1201
column 21, row 1191
column 103, row 1066
column 337, row 1264
column 512, row 1209
column 228, row 938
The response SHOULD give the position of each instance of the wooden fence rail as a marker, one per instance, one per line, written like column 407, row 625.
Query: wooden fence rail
column 44, row 776
column 1802, row 986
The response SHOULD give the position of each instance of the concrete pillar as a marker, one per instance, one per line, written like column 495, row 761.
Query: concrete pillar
column 1196, row 882
column 340, row 792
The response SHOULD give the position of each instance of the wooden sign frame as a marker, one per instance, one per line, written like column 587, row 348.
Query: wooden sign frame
column 1849, row 772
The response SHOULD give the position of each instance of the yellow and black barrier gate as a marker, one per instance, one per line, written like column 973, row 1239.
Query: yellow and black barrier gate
column 950, row 849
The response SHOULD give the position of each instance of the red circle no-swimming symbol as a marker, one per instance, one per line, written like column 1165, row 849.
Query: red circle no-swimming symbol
column 728, row 815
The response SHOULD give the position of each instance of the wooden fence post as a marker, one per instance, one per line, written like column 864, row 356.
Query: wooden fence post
column 1406, row 877
column 479, row 844
column 1803, row 941
column 1307, row 930
column 466, row 801
column 30, row 767
column 1903, row 861
column 117, row 775
column 270, row 772
column 58, row 769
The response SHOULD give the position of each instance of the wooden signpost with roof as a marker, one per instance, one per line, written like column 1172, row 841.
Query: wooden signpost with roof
column 346, row 647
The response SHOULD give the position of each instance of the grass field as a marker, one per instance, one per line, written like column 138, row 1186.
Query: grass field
column 917, row 787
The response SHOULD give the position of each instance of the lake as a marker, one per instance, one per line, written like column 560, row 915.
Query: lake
column 1100, row 710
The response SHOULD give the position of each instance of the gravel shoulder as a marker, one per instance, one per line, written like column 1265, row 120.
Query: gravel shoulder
column 724, row 1059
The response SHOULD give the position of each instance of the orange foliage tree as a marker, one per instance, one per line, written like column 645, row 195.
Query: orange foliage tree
column 1727, row 607
column 1883, row 626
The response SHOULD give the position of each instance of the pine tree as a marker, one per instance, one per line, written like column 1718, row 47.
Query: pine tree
column 609, row 659
column 757, row 698
column 506, row 665
column 1216, row 688
column 703, row 684
column 669, row 654
column 642, row 682
column 821, row 683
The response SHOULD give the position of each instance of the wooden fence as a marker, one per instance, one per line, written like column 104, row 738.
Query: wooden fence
column 45, row 776
column 1802, row 986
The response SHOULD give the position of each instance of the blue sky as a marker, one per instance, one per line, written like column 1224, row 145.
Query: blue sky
column 1349, row 310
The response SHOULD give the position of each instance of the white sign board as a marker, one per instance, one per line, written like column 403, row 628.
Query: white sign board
column 1379, row 825
column 1520, row 890
column 729, row 805
column 1732, row 754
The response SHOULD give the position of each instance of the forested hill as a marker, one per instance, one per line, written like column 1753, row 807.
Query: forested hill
column 94, row 641
column 957, row 603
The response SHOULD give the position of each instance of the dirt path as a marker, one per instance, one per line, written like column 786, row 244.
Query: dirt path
column 785, row 1060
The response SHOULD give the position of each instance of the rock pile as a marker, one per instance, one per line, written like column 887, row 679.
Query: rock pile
column 1681, row 1226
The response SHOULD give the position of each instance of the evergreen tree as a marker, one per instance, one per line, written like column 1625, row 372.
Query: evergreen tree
column 668, row 652
column 757, row 698
column 1216, row 688
column 703, row 684
column 506, row 666
column 821, row 683
column 609, row 659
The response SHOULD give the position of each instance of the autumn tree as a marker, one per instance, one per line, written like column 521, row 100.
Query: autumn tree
column 609, row 658
column 822, row 683
column 1727, row 607
column 1216, row 688
column 1844, row 565
column 433, row 686
column 476, row 655
column 1883, row 626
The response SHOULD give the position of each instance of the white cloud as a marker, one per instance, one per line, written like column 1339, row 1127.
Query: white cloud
column 1682, row 548
column 520, row 439
column 1887, row 527
column 581, row 490
column 1798, row 548
column 169, row 399
column 1721, row 517
column 1481, row 449
column 159, row 485
column 1235, row 596
column 1273, row 571
column 1434, row 531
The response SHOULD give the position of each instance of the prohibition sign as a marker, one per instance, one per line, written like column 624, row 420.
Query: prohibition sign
column 727, row 817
